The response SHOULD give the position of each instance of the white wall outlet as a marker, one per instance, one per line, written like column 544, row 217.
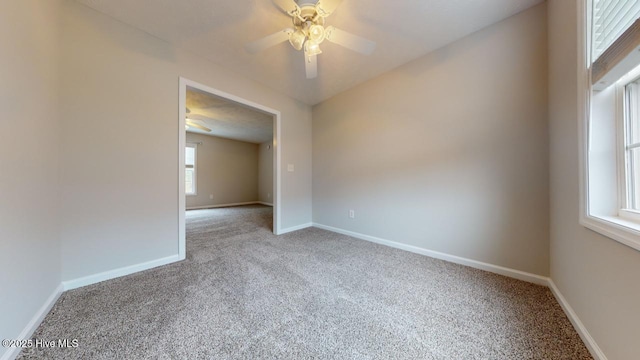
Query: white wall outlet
column 352, row 214
column 268, row 195
column 210, row 196
column 290, row 168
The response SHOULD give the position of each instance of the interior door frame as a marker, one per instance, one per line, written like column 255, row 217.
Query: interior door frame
column 182, row 139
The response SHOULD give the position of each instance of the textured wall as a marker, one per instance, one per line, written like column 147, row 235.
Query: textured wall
column 226, row 169
column 29, row 142
column 120, row 188
column 448, row 152
column 598, row 276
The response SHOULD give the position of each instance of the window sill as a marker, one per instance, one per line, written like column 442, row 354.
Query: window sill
column 622, row 230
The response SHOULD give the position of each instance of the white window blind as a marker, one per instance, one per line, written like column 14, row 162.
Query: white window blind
column 610, row 20
column 190, row 156
column 615, row 40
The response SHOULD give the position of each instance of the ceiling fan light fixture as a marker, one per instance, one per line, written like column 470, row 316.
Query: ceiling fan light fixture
column 296, row 39
column 316, row 33
column 312, row 48
column 309, row 31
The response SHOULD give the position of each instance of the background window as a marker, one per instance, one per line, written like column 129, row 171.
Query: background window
column 190, row 169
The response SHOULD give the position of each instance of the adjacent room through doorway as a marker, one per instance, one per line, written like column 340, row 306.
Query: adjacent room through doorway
column 229, row 155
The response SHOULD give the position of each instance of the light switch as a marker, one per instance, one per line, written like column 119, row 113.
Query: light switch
column 290, row 168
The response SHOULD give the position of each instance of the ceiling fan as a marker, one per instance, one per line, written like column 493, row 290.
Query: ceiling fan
column 308, row 32
column 190, row 122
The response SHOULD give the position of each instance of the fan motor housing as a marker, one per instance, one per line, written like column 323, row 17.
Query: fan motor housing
column 308, row 16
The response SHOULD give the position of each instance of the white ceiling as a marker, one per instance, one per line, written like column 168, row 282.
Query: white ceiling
column 228, row 119
column 218, row 29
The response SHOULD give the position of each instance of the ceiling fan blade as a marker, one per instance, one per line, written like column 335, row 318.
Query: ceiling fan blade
column 197, row 117
column 311, row 66
column 287, row 6
column 268, row 41
column 197, row 126
column 350, row 41
column 327, row 7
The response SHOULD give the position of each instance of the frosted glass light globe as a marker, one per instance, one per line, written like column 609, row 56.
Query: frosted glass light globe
column 316, row 33
column 296, row 39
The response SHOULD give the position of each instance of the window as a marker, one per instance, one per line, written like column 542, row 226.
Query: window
column 610, row 125
column 631, row 119
column 190, row 169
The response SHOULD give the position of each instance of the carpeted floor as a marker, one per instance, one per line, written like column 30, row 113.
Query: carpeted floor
column 244, row 293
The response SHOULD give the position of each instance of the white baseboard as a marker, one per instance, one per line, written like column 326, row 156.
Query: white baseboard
column 123, row 271
column 265, row 203
column 223, row 205
column 516, row 274
column 33, row 324
column 294, row 228
column 591, row 344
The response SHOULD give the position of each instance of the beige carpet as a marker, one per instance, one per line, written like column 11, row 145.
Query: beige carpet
column 244, row 293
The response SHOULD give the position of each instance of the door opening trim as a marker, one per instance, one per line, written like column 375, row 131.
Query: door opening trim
column 184, row 83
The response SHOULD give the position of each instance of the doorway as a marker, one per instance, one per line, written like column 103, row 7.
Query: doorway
column 186, row 84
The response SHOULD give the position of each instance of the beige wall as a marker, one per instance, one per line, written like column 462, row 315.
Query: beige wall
column 119, row 188
column 29, row 141
column 597, row 275
column 448, row 152
column 265, row 172
column 226, row 169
